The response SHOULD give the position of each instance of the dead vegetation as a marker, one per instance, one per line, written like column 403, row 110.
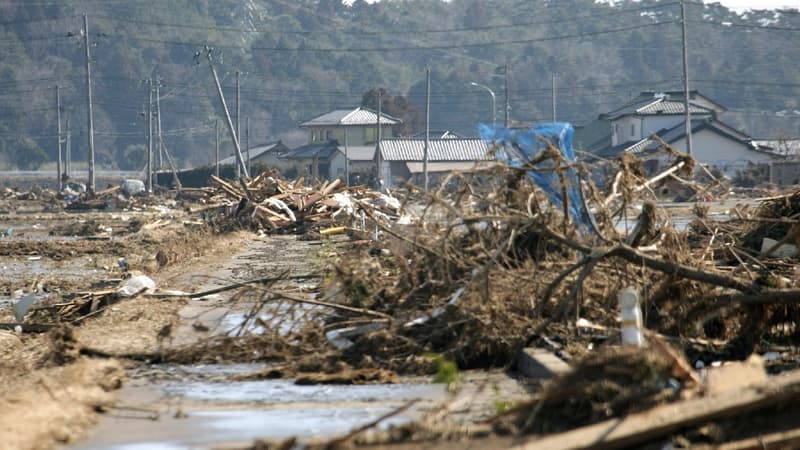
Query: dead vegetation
column 528, row 253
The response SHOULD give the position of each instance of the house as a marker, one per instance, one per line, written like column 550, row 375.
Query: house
column 629, row 129
column 356, row 126
column 402, row 158
column 266, row 154
column 339, row 141
column 786, row 170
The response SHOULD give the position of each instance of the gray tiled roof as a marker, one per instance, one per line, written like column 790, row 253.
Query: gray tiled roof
column 669, row 107
column 654, row 106
column 404, row 149
column 357, row 116
column 323, row 151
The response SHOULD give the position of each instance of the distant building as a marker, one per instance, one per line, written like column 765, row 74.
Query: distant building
column 268, row 154
column 402, row 158
column 338, row 136
column 630, row 129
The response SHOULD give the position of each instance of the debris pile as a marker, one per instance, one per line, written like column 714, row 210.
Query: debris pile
column 274, row 205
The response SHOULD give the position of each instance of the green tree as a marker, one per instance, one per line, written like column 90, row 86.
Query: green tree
column 134, row 157
column 29, row 156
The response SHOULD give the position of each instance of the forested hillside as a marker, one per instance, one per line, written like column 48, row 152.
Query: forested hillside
column 300, row 58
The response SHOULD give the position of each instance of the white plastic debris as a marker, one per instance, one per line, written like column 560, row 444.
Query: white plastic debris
column 438, row 311
column 139, row 284
column 631, row 317
column 282, row 206
column 132, row 187
column 340, row 337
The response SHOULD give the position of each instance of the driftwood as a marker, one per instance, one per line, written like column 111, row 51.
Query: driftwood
column 665, row 419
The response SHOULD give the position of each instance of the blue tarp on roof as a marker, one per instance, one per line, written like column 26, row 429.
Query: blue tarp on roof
column 523, row 146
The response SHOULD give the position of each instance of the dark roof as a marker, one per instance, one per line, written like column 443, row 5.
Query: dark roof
column 357, row 116
column 257, row 151
column 593, row 136
column 324, row 151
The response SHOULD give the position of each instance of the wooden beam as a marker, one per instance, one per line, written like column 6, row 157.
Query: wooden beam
column 662, row 420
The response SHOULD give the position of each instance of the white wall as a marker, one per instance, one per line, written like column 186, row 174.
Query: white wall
column 336, row 168
column 621, row 130
column 715, row 150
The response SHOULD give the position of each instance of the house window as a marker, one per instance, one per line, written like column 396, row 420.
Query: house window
column 616, row 129
column 329, row 135
column 313, row 136
column 633, row 129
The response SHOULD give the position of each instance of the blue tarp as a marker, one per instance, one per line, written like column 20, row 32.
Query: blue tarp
column 522, row 146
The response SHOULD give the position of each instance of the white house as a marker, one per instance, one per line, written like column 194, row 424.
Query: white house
column 629, row 129
column 340, row 140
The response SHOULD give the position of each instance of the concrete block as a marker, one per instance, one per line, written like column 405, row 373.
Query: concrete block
column 541, row 363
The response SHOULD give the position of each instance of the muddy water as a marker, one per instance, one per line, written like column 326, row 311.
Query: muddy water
column 203, row 410
column 199, row 407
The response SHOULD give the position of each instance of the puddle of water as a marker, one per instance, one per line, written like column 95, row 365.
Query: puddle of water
column 211, row 429
column 284, row 319
column 284, row 391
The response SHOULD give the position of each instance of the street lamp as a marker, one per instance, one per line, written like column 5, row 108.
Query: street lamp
column 491, row 92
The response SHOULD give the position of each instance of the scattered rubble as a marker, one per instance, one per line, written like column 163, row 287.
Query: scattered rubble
column 528, row 257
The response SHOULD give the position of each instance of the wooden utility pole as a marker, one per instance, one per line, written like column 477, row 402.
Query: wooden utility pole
column 687, row 116
column 505, row 118
column 238, row 114
column 216, row 148
column 247, row 141
column 160, row 164
column 68, row 151
column 346, row 160
column 378, row 143
column 89, row 115
column 58, row 120
column 427, row 128
column 150, row 136
column 234, row 138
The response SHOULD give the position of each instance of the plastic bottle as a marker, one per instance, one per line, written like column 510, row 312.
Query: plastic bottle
column 631, row 316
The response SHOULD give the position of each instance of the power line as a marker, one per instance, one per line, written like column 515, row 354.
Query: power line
column 615, row 13
column 408, row 48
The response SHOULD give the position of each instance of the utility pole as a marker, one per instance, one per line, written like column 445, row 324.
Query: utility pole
column 150, row 136
column 346, row 160
column 687, row 116
column 160, row 164
column 247, row 140
column 58, row 120
column 238, row 114
column 68, row 152
column 378, row 144
column 505, row 118
column 239, row 162
column 216, row 148
column 427, row 128
column 554, row 97
column 90, row 116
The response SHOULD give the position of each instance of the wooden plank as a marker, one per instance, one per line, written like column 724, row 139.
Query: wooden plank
column 662, row 420
column 781, row 439
column 230, row 189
